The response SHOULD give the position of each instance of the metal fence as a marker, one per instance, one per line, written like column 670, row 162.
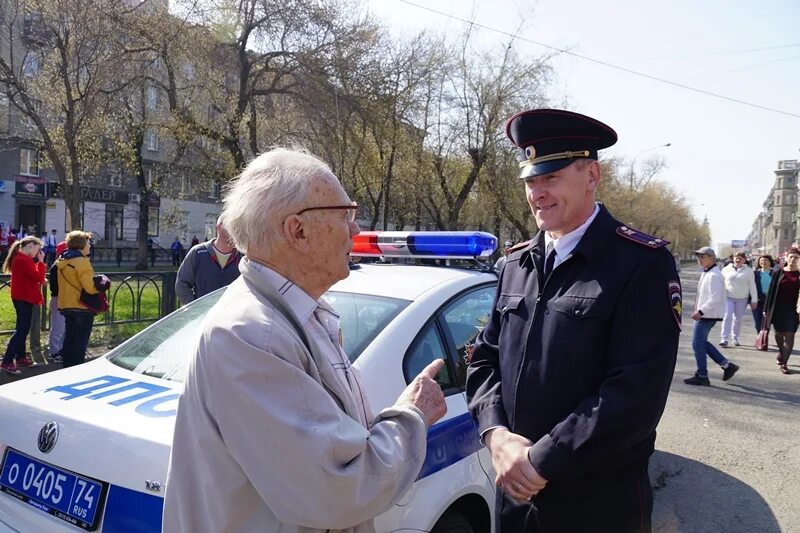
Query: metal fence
column 135, row 297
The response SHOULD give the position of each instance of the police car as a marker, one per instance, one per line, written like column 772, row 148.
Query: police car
column 87, row 447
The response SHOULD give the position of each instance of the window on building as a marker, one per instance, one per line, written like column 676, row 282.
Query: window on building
column 115, row 180
column 151, row 140
column 149, row 177
column 211, row 226
column 216, row 189
column 152, row 222
column 186, row 185
column 777, row 199
column 786, row 234
column 28, row 162
column 188, row 70
column 787, row 217
column 152, row 98
column 30, row 65
column 114, row 221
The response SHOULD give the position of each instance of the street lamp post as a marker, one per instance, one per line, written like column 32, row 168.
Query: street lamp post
column 631, row 176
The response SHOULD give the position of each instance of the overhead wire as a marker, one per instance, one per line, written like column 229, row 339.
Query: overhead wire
column 605, row 63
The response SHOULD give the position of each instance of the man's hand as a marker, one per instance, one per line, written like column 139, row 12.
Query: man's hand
column 425, row 394
column 753, row 305
column 696, row 315
column 515, row 473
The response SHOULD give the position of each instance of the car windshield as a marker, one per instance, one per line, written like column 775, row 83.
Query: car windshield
column 163, row 351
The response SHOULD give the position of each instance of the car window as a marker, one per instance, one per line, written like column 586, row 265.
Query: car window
column 426, row 347
column 164, row 350
column 362, row 317
column 464, row 318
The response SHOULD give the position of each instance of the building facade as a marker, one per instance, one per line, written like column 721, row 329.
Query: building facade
column 776, row 225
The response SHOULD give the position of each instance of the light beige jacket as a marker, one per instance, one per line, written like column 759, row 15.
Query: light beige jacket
column 266, row 437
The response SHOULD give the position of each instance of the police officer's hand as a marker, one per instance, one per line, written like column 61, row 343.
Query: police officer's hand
column 425, row 394
column 515, row 473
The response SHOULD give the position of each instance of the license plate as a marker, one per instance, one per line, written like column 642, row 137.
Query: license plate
column 72, row 497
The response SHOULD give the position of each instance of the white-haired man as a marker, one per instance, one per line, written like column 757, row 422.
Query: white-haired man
column 207, row 267
column 273, row 432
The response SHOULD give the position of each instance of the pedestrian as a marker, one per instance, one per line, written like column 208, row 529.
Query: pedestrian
column 498, row 265
column 55, row 340
column 177, row 250
column 207, row 267
column 740, row 288
column 75, row 274
column 51, row 244
column 25, row 263
column 565, row 387
column 303, row 453
column 195, row 240
column 151, row 249
column 708, row 310
column 763, row 277
column 4, row 234
column 780, row 308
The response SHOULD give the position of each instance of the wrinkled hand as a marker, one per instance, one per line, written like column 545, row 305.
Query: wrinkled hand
column 425, row 394
column 696, row 315
column 515, row 473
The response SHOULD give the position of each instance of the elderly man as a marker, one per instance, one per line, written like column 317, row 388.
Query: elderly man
column 207, row 267
column 273, row 432
column 570, row 376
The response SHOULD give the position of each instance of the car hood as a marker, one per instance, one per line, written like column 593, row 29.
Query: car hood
column 112, row 423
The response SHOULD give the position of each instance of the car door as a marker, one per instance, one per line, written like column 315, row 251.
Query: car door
column 460, row 321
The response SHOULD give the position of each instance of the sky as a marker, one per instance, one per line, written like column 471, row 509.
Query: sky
column 723, row 154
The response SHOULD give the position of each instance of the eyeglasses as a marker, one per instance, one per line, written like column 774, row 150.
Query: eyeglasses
column 352, row 210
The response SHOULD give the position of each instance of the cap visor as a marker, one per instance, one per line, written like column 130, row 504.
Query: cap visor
column 531, row 171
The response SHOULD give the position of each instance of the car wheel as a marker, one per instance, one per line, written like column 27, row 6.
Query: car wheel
column 452, row 522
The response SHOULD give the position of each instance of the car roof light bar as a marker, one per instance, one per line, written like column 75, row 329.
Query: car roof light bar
column 424, row 244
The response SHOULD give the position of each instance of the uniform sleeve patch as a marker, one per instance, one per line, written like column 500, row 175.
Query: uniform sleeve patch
column 641, row 238
column 675, row 300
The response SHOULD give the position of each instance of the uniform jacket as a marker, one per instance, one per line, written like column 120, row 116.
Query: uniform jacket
column 580, row 364
column 200, row 273
column 711, row 294
column 740, row 283
column 27, row 278
column 268, row 441
column 75, row 272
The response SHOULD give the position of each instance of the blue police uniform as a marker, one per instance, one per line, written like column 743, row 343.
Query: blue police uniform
column 580, row 363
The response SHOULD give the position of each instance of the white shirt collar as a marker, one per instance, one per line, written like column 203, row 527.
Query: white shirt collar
column 298, row 300
column 564, row 245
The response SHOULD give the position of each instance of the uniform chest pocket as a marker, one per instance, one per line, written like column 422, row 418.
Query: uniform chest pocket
column 579, row 308
column 510, row 303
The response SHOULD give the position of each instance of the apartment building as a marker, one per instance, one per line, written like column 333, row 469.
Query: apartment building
column 775, row 227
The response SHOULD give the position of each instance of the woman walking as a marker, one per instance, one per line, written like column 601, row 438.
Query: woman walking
column 25, row 263
column 763, row 277
column 75, row 273
column 780, row 308
column 740, row 287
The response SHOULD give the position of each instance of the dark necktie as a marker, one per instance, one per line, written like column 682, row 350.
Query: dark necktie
column 551, row 259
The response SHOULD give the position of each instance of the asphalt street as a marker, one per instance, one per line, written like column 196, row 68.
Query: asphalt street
column 728, row 456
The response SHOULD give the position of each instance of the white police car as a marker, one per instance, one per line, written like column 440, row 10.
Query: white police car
column 87, row 447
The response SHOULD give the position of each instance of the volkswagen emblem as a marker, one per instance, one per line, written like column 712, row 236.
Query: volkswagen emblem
column 48, row 436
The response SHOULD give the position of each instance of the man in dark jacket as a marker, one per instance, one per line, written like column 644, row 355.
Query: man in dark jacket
column 207, row 267
column 569, row 378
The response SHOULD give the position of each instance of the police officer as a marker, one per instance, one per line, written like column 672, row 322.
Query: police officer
column 570, row 376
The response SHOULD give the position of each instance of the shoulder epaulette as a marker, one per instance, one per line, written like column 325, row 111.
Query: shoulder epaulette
column 641, row 238
column 519, row 246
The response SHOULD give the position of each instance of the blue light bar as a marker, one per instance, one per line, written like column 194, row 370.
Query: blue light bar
column 452, row 243
column 425, row 244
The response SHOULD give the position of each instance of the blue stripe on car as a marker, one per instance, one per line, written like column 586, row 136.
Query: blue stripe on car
column 449, row 442
column 130, row 511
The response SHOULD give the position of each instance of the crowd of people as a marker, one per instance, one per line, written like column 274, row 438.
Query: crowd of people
column 772, row 292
